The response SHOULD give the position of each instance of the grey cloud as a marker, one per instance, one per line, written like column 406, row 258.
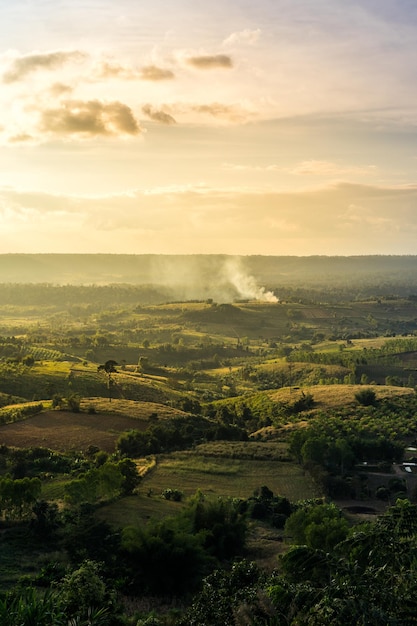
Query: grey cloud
column 90, row 118
column 158, row 115
column 210, row 62
column 153, row 72
column 24, row 65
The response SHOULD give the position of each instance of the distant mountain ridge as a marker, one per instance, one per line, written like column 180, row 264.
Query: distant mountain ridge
column 81, row 269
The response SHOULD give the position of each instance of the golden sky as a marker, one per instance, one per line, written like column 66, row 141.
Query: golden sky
column 181, row 126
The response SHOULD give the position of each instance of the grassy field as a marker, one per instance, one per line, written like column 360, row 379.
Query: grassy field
column 214, row 477
column 228, row 477
column 333, row 396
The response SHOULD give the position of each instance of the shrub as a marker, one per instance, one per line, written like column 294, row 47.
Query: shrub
column 173, row 494
column 366, row 397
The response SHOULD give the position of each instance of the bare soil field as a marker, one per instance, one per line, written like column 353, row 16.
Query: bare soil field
column 64, row 430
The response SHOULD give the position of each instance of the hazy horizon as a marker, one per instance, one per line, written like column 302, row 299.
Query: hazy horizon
column 281, row 128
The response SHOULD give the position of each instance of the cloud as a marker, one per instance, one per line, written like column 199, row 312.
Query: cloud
column 338, row 219
column 307, row 168
column 21, row 138
column 225, row 111
column 59, row 89
column 112, row 69
column 246, row 36
column 327, row 168
column 209, row 62
column 24, row 65
column 155, row 73
column 158, row 115
column 89, row 119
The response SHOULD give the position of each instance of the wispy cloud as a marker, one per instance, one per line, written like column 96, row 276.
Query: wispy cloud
column 21, row 66
column 222, row 111
column 231, row 113
column 89, row 119
column 59, row 89
column 327, row 168
column 114, row 70
column 308, row 168
column 153, row 72
column 210, row 62
column 356, row 218
column 158, row 115
column 21, row 138
column 245, row 36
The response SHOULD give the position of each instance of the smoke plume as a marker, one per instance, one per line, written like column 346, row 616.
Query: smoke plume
column 245, row 284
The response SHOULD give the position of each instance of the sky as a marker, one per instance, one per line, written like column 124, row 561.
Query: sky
column 275, row 127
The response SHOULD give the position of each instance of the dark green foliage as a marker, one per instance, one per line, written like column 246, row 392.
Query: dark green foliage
column 304, row 403
column 85, row 537
column 267, row 507
column 83, row 589
column 366, row 397
column 73, row 403
column 172, row 556
column 220, row 524
column 131, row 477
column 37, row 461
column 162, row 559
column 226, row 595
column 27, row 607
column 317, row 526
column 18, row 496
column 28, row 360
column 175, row 434
column 368, row 579
column 15, row 414
column 100, row 483
column 46, row 519
column 172, row 494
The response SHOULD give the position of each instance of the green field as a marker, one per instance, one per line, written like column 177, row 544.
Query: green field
column 214, row 477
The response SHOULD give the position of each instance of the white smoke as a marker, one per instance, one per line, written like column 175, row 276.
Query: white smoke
column 221, row 278
column 246, row 285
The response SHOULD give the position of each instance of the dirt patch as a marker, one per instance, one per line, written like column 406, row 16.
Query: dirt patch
column 265, row 545
column 63, row 430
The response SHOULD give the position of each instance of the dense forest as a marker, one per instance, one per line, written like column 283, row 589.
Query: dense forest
column 207, row 440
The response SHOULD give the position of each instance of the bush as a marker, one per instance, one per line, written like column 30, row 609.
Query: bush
column 73, row 403
column 173, row 494
column 366, row 397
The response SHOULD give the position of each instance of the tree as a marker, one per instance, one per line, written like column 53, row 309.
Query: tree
column 131, row 476
column 228, row 598
column 369, row 578
column 109, row 367
column 317, row 526
column 83, row 589
column 18, row 496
